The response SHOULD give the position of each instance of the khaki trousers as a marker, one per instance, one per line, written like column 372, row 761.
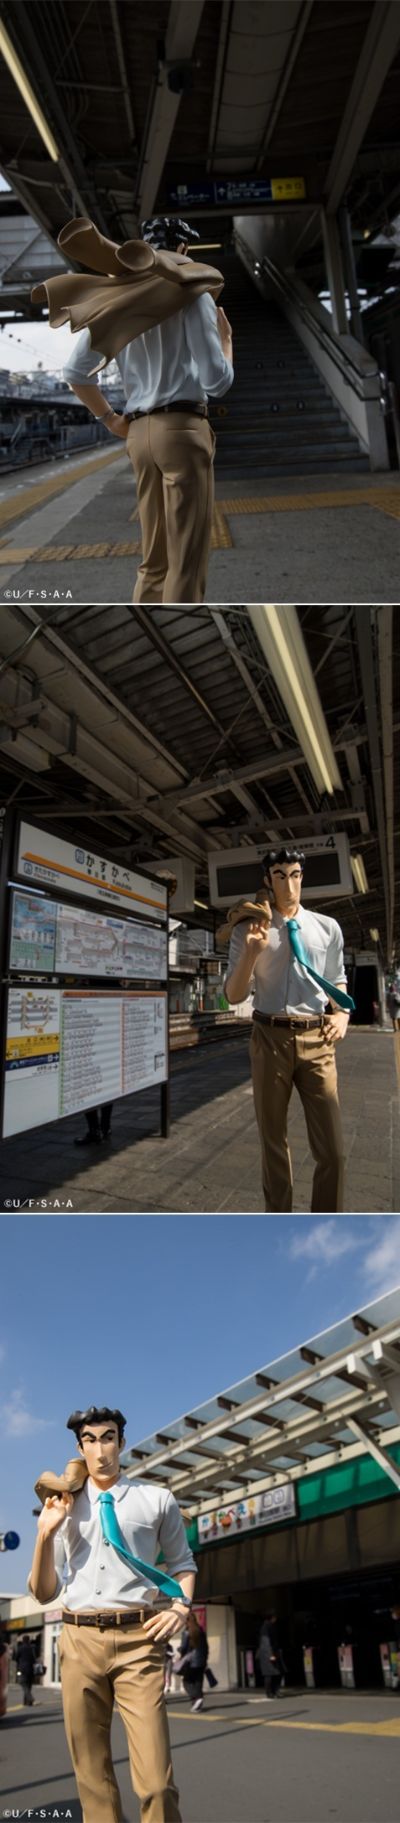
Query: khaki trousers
column 172, row 456
column 125, row 1667
column 279, row 1059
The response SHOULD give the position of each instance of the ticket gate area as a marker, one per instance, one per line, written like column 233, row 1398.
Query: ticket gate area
column 332, row 1634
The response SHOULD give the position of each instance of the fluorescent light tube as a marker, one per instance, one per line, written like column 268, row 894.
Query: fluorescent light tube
column 359, row 874
column 281, row 639
column 28, row 96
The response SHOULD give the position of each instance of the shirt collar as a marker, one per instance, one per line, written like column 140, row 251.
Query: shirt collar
column 118, row 1489
column 280, row 920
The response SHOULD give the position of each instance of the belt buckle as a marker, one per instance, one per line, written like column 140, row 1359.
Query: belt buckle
column 102, row 1622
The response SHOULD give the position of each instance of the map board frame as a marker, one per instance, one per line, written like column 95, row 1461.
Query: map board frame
column 142, row 902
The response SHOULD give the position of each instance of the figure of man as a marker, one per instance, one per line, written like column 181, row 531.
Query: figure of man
column 113, row 1641
column 167, row 373
column 297, row 1024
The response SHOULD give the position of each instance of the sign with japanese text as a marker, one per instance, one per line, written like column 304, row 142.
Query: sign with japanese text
column 46, row 859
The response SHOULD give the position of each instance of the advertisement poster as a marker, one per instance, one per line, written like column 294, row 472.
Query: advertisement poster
column 260, row 1509
column 33, row 934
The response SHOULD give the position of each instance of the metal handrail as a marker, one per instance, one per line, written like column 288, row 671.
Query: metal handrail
column 324, row 334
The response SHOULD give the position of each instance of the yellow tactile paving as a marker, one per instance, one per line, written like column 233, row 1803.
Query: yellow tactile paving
column 40, row 491
column 384, row 500
column 386, row 1728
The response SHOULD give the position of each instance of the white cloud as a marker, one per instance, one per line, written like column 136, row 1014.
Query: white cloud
column 381, row 1266
column 17, row 1420
column 323, row 1244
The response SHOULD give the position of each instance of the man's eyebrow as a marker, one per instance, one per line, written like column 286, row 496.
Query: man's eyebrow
column 91, row 1436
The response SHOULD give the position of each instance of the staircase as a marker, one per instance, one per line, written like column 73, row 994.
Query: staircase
column 278, row 418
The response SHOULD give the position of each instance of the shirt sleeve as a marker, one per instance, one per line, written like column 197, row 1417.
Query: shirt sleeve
column 60, row 1561
column 203, row 338
column 335, row 968
column 173, row 1541
column 81, row 361
column 236, row 948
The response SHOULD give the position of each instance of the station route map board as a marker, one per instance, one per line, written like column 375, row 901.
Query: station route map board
column 67, row 1050
column 62, row 939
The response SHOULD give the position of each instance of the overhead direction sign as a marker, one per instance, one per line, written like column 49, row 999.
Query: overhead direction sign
column 229, row 192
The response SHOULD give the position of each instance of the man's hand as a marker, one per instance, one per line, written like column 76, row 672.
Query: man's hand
column 256, row 939
column 53, row 1514
column 117, row 425
column 166, row 1623
column 335, row 1025
column 225, row 331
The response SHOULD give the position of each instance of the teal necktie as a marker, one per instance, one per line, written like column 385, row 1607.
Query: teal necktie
column 336, row 993
column 113, row 1535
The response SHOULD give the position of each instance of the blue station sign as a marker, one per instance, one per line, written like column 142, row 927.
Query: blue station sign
column 230, row 192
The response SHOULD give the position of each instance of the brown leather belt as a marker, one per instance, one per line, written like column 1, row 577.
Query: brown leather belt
column 120, row 1617
column 291, row 1025
column 193, row 405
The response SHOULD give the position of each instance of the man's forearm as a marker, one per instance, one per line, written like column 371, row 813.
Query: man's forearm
column 43, row 1578
column 187, row 1583
column 236, row 985
column 92, row 397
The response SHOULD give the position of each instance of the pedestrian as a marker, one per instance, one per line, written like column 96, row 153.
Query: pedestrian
column 112, row 1644
column 25, row 1660
column 193, row 1660
column 173, row 348
column 294, row 963
column 98, row 1125
column 393, row 1004
column 267, row 1654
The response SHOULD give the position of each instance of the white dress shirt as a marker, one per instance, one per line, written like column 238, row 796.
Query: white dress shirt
column 91, row 1571
column 279, row 981
column 179, row 359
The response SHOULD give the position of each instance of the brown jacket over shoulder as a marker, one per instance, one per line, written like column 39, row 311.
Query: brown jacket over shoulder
column 136, row 287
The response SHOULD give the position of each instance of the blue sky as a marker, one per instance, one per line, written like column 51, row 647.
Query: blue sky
column 156, row 1314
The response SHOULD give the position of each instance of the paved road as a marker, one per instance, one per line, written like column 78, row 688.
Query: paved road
column 212, row 1160
column 308, row 1759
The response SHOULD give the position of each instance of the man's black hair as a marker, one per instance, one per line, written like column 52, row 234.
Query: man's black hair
column 96, row 1414
column 275, row 855
column 167, row 231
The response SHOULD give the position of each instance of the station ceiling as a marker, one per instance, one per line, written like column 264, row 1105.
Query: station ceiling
column 161, row 732
column 331, row 1400
column 142, row 99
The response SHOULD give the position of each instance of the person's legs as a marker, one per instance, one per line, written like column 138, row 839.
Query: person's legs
column 269, row 1686
column 183, row 447
column 138, row 1678
column 152, row 570
column 105, row 1118
column 315, row 1077
column 88, row 1705
column 272, row 1056
column 27, row 1689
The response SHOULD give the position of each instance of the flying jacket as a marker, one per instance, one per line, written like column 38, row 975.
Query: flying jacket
column 136, row 287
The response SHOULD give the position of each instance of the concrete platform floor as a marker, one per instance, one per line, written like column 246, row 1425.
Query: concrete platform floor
column 211, row 1161
column 72, row 529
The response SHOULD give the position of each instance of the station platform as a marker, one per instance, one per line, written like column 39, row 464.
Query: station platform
column 211, row 1161
column 71, row 528
column 338, row 1754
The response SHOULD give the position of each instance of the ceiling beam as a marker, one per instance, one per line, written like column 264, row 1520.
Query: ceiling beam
column 24, row 36
column 379, row 49
column 182, row 30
